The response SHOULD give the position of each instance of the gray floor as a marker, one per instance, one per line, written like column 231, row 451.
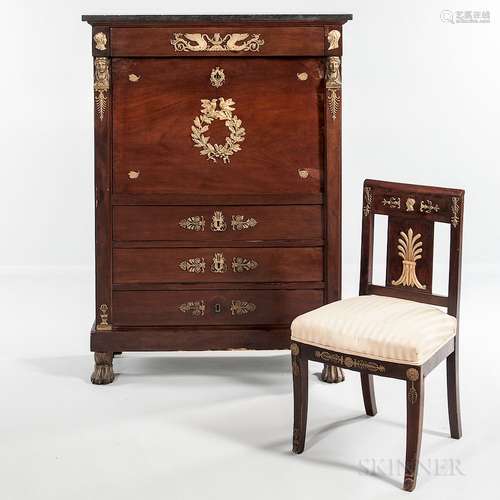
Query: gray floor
column 218, row 425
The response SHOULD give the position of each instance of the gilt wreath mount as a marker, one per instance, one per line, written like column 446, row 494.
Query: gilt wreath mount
column 201, row 124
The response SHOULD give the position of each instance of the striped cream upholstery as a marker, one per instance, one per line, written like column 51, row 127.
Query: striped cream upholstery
column 377, row 327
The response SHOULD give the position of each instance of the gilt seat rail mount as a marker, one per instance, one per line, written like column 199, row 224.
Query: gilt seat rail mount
column 217, row 179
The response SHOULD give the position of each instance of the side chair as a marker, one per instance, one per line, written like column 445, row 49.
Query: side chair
column 397, row 330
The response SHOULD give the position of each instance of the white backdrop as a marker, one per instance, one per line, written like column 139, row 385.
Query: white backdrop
column 420, row 101
column 420, row 104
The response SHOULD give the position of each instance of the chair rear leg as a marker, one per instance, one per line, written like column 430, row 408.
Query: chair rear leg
column 368, row 394
column 414, row 420
column 453, row 396
column 300, row 398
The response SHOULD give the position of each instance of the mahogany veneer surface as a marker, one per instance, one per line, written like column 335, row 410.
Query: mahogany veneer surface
column 265, row 223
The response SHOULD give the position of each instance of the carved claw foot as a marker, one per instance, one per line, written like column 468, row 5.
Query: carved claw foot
column 103, row 371
column 332, row 374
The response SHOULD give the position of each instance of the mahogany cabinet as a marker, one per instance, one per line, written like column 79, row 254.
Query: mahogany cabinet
column 217, row 179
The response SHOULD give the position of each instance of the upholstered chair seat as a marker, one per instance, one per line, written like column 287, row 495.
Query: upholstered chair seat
column 401, row 329
column 384, row 328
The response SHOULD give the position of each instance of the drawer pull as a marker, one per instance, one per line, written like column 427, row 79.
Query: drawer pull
column 195, row 265
column 196, row 308
column 241, row 264
column 238, row 222
column 302, row 76
column 218, row 222
column 239, row 307
column 218, row 263
column 303, row 173
column 133, row 78
column 194, row 223
column 238, row 265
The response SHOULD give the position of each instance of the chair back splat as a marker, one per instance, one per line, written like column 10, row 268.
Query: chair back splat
column 412, row 212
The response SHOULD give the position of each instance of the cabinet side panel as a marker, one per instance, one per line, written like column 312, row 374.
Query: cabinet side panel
column 333, row 178
column 102, row 173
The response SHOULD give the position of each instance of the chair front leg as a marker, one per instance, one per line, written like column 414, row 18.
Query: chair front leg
column 453, row 396
column 300, row 398
column 414, row 420
column 368, row 394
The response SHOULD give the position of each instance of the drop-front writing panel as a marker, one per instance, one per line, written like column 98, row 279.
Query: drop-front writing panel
column 257, row 132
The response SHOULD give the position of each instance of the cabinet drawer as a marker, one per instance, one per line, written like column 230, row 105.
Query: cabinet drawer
column 175, row 132
column 226, row 307
column 228, row 223
column 198, row 265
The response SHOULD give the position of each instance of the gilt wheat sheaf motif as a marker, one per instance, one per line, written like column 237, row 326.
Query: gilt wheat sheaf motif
column 410, row 250
column 209, row 113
